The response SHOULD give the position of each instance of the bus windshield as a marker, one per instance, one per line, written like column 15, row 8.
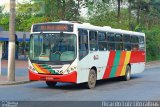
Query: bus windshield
column 53, row 47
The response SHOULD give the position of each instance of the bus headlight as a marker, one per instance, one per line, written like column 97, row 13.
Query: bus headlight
column 70, row 69
column 61, row 72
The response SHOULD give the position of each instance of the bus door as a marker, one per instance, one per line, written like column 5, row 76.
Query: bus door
column 83, row 51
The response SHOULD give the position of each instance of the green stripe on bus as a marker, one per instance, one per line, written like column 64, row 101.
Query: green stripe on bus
column 49, row 69
column 115, row 65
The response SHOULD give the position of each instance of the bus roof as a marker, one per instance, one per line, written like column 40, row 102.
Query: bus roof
column 93, row 27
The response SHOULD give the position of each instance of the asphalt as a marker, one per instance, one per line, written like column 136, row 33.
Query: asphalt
column 21, row 72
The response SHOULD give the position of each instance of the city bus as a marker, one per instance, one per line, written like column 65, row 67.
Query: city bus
column 75, row 52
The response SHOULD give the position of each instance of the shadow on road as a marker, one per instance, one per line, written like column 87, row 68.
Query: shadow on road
column 71, row 86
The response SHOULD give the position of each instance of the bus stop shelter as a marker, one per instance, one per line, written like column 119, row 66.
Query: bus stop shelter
column 22, row 44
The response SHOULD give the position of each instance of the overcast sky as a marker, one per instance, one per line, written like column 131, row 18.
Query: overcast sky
column 6, row 3
column 2, row 2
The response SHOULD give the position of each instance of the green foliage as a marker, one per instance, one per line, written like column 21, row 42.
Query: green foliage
column 1, row 9
column 4, row 21
column 23, row 15
column 58, row 9
column 153, row 43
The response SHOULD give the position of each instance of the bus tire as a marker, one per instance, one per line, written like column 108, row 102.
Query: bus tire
column 51, row 84
column 92, row 78
column 127, row 75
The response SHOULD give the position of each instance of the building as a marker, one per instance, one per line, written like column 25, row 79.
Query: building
column 22, row 44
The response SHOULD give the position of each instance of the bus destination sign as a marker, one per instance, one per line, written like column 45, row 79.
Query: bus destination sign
column 53, row 27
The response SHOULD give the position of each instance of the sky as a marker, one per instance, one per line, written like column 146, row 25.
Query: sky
column 6, row 3
column 2, row 2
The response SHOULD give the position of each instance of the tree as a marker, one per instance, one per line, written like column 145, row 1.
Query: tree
column 24, row 13
column 60, row 9
column 130, row 2
column 119, row 10
column 11, row 49
column 1, row 9
column 4, row 19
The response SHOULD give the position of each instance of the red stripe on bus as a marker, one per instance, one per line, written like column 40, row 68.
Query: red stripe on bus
column 109, row 64
column 121, row 63
column 137, row 56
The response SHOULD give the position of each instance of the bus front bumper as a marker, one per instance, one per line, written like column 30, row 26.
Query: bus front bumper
column 71, row 77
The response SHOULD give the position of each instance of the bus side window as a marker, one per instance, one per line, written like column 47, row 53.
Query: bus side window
column 102, row 43
column 83, row 43
column 141, row 43
column 127, row 42
column 93, row 40
column 111, row 41
column 119, row 42
column 135, row 43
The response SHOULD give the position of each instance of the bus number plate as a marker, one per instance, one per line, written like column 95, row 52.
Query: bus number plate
column 49, row 78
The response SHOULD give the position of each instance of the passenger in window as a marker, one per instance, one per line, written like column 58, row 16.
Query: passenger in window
column 67, row 46
column 46, row 49
column 111, row 47
column 135, row 48
column 121, row 46
column 101, row 47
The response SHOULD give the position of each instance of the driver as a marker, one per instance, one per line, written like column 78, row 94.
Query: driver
column 67, row 46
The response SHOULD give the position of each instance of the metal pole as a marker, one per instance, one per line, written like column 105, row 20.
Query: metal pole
column 11, row 46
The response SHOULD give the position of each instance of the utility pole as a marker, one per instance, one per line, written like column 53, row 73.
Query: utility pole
column 11, row 46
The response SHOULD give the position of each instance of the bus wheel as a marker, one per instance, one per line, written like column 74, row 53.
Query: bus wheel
column 128, row 73
column 51, row 83
column 92, row 78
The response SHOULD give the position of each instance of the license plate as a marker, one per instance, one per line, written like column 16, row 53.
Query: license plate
column 49, row 78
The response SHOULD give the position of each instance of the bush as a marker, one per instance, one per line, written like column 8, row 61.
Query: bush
column 153, row 44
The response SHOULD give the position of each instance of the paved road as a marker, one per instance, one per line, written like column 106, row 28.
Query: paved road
column 144, row 86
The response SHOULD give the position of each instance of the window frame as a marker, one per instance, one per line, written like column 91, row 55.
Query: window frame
column 119, row 42
column 93, row 41
column 111, row 42
column 87, row 48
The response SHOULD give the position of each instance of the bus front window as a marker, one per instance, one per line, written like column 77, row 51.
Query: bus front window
column 53, row 47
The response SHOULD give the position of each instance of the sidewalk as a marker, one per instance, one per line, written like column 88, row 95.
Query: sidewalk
column 21, row 73
column 153, row 63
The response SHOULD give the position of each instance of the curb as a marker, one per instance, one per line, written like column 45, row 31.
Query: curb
column 14, row 82
column 153, row 64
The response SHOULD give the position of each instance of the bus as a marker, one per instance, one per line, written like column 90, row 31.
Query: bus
column 75, row 52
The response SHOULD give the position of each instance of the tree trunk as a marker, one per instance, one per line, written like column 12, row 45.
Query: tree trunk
column 77, row 10
column 138, row 12
column 52, row 8
column 129, row 15
column 60, row 10
column 11, row 48
column 63, row 10
column 119, row 10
